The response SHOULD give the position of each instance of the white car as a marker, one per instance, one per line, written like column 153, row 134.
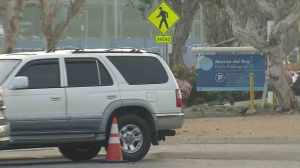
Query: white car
column 66, row 99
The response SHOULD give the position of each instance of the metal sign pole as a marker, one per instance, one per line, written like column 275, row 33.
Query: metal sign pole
column 252, row 92
column 266, row 85
column 167, row 54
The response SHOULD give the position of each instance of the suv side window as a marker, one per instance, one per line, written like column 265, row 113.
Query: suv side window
column 140, row 70
column 86, row 72
column 106, row 79
column 42, row 73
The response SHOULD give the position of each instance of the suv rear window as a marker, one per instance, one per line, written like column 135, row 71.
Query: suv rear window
column 139, row 70
column 86, row 72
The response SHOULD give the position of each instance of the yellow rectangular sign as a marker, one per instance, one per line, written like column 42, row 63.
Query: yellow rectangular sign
column 163, row 39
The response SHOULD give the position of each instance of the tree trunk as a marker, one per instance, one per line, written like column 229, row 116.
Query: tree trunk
column 280, row 78
column 51, row 44
column 186, row 10
column 13, row 10
column 216, row 23
column 249, row 26
column 179, row 41
column 52, row 31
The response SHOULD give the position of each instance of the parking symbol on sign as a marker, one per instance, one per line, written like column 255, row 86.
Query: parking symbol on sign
column 220, row 77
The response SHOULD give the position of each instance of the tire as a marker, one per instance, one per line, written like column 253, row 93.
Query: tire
column 127, row 123
column 80, row 152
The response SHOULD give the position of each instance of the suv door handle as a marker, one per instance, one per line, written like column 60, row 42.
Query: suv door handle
column 111, row 97
column 55, row 98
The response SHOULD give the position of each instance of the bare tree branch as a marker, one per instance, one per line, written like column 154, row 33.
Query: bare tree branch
column 54, row 32
column 283, row 25
column 224, row 42
column 72, row 11
column 3, row 5
column 250, row 37
column 12, row 15
column 142, row 6
column 46, row 17
column 248, row 34
column 268, row 8
column 248, row 31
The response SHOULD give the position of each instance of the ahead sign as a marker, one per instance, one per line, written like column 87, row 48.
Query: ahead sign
column 163, row 39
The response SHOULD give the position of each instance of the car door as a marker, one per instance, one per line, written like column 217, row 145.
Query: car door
column 41, row 107
column 90, row 90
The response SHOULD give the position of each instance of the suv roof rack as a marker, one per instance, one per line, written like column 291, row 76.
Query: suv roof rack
column 111, row 50
column 24, row 50
column 18, row 50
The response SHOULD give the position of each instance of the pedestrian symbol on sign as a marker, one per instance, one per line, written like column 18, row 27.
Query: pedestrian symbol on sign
column 164, row 18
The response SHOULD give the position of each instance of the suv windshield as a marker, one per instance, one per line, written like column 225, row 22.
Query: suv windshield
column 6, row 67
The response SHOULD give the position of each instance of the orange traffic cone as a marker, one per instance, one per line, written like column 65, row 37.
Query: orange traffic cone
column 114, row 152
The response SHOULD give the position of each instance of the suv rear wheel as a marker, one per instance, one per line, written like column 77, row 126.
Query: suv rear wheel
column 135, row 137
column 80, row 152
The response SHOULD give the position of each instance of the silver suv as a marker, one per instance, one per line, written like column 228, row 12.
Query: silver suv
column 66, row 99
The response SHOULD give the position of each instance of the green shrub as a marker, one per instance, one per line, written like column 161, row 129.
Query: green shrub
column 183, row 73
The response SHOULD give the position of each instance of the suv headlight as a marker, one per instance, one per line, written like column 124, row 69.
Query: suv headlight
column 1, row 97
column 1, row 104
column 3, row 119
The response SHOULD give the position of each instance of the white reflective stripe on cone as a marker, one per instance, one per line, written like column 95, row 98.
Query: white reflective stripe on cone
column 114, row 140
column 114, row 129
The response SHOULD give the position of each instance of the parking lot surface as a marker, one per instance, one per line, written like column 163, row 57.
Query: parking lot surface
column 171, row 156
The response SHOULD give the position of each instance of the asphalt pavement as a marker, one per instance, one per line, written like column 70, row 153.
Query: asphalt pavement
column 171, row 156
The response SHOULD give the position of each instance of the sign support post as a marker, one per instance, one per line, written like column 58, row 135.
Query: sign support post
column 163, row 17
column 167, row 54
column 252, row 92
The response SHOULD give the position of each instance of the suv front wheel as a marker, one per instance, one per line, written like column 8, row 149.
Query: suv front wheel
column 80, row 151
column 135, row 137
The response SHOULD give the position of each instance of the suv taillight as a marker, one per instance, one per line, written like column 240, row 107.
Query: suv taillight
column 179, row 102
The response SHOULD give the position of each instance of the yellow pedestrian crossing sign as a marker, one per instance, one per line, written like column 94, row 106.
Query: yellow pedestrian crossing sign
column 163, row 17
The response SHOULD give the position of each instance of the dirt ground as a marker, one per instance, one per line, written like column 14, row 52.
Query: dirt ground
column 276, row 128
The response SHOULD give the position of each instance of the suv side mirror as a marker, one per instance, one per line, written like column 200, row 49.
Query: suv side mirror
column 19, row 82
